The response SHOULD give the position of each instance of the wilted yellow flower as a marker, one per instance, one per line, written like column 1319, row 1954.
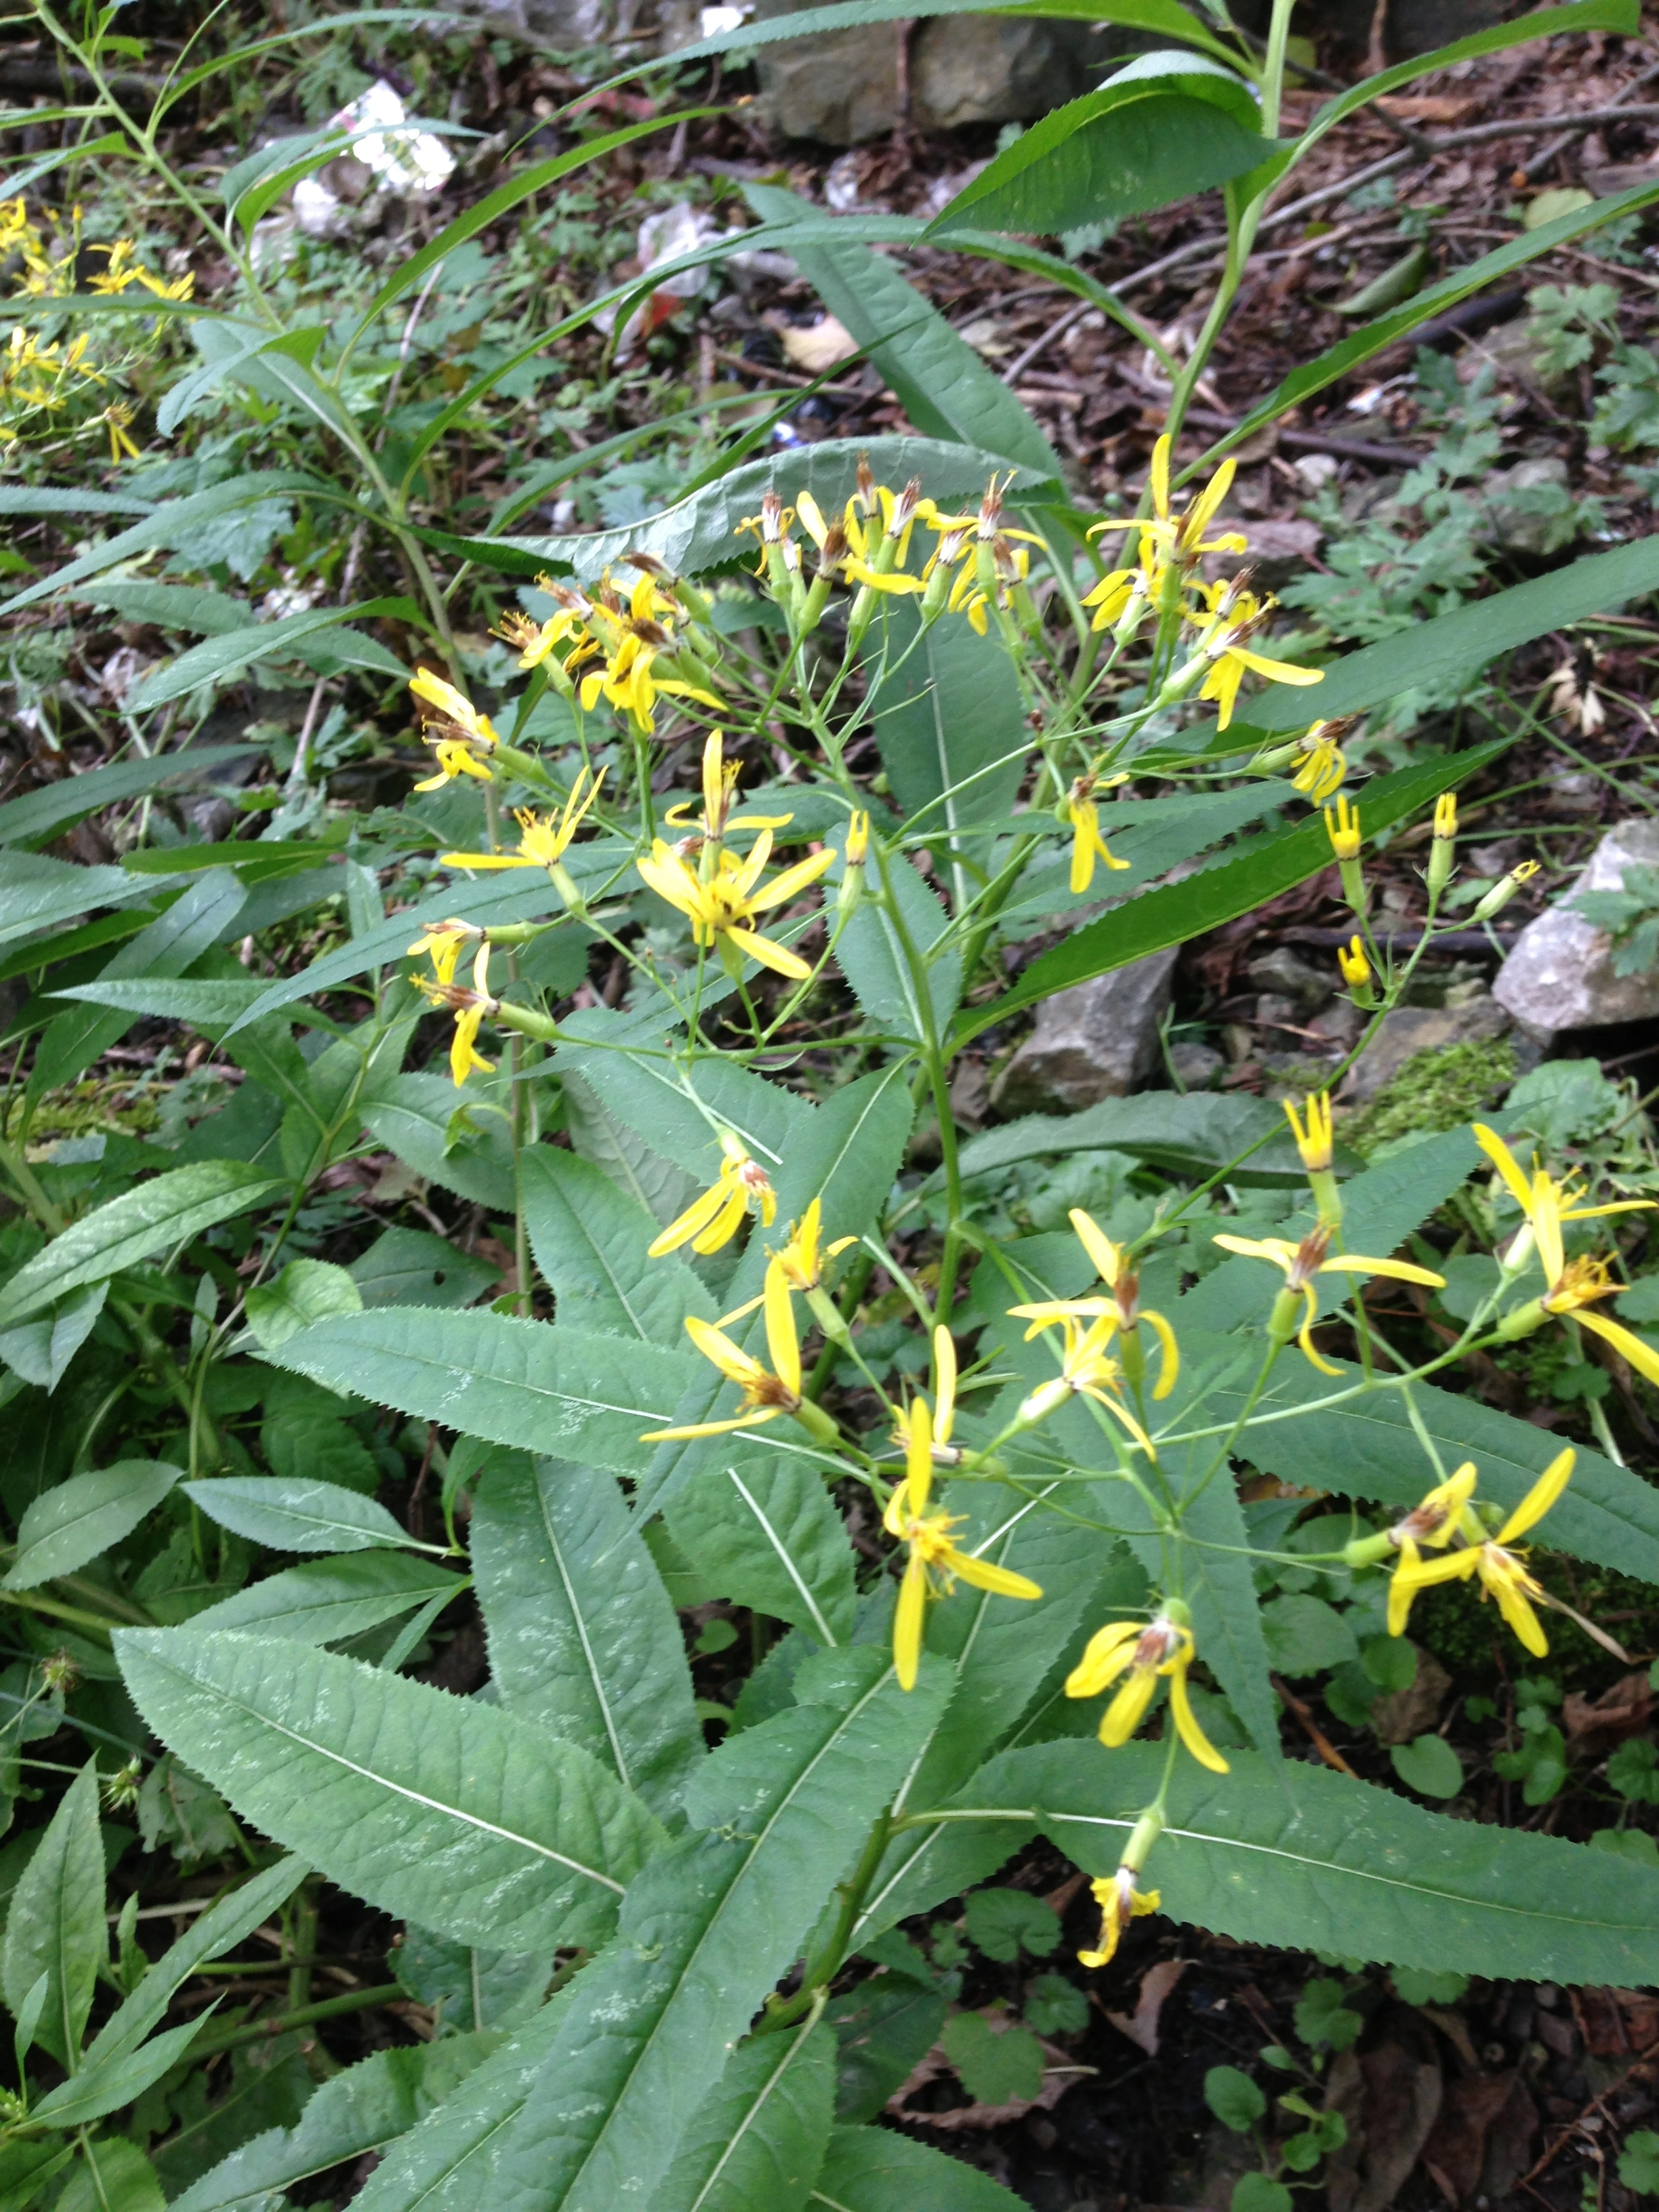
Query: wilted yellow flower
column 1235, row 616
column 638, row 638
column 1088, row 846
column 1120, row 1903
column 1501, row 1573
column 444, row 941
column 1300, row 1263
column 1163, row 1650
column 1122, row 1312
column 713, row 1217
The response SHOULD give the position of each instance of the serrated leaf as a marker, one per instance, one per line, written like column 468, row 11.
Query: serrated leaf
column 706, row 1929
column 765, row 1534
column 155, row 1216
column 508, row 1381
column 46, row 812
column 414, row 1116
column 590, row 1240
column 325, row 1601
column 952, row 734
column 37, row 892
column 40, row 1351
column 1194, row 1134
column 104, row 2085
column 450, row 1813
column 613, row 1146
column 412, row 1267
column 1301, row 1857
column 354, row 2115
column 870, row 952
column 296, row 1516
column 471, row 1989
column 55, row 1923
column 877, row 2170
column 306, row 1291
column 583, row 1640
column 76, row 1521
column 759, row 2140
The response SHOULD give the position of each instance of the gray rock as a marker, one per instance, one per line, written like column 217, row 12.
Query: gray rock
column 1196, row 1065
column 1559, row 974
column 1096, row 1040
column 1409, row 1031
column 842, row 87
column 1284, row 970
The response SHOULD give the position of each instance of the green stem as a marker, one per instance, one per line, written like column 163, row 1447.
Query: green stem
column 232, row 2038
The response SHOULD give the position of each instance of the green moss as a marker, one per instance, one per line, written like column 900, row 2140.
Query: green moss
column 1435, row 1089
column 89, row 1105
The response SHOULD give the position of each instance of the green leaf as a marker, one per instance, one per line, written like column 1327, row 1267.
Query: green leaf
column 472, row 1989
column 37, row 892
column 706, row 1929
column 412, row 1267
column 354, row 2115
column 416, row 1117
column 945, row 389
column 650, row 1096
column 1163, row 19
column 1255, row 2192
column 995, row 2068
column 155, row 1217
column 26, row 2168
column 65, row 1527
column 590, row 1241
column 436, row 1809
column 46, row 813
column 172, row 523
column 1311, row 1860
column 1003, row 1923
column 55, row 1924
column 104, row 2085
column 699, row 531
column 217, row 1930
column 759, row 2140
column 169, row 606
column 1428, row 1765
column 877, row 2170
column 507, row 1380
column 167, row 947
column 872, row 956
column 40, row 1351
column 291, row 1516
column 763, row 1531
column 1234, row 2098
column 1181, row 911
column 583, row 1640
column 951, row 734
column 1638, row 2162
column 1166, row 126
column 306, row 1291
column 203, row 1005
column 220, row 660
column 884, row 2028
column 115, row 2177
column 325, row 1601
column 1349, row 353
column 1195, row 1135
column 1305, row 1636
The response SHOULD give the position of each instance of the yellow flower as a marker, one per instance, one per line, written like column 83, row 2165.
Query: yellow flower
column 542, row 839
column 1300, row 1263
column 639, row 638
column 942, row 1419
column 767, row 1392
column 1088, row 846
column 1342, row 828
column 1120, row 1903
column 1084, row 1368
column 1445, row 815
column 857, row 838
column 713, row 1217
column 1180, row 538
column 1164, row 1649
column 456, row 731
column 1322, row 765
column 454, row 759
column 1237, row 616
column 1126, row 592
column 1317, row 1141
column 799, row 1261
column 1355, row 967
column 935, row 1563
column 719, row 788
column 469, row 1008
column 443, row 940
column 1502, row 1573
column 722, row 910
column 535, row 641
column 116, row 418
column 1123, row 1310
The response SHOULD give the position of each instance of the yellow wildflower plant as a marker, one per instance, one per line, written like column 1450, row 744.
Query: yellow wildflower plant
column 1321, row 764
column 1086, row 1369
column 1342, row 828
column 1161, row 1651
column 634, row 639
column 458, row 733
column 714, row 1216
column 1088, row 846
column 935, row 1563
column 768, row 1393
column 1123, row 1312
column 1120, row 1903
column 1300, row 1263
column 720, row 791
column 1182, row 538
column 469, row 1008
column 801, row 1258
column 723, row 908
column 543, row 839
column 1354, row 966
column 444, row 941
column 1236, row 617
column 1501, row 1573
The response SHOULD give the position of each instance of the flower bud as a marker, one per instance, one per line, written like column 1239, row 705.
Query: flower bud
column 1504, row 890
column 1443, row 857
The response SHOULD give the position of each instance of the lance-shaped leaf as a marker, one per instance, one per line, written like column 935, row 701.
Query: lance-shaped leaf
column 296, row 1516
column 764, row 1531
column 46, row 813
column 510, row 1382
column 354, row 2115
column 156, row 1216
column 437, row 1809
column 875, row 2170
column 759, row 2140
column 591, row 1240
column 583, row 1641
column 323, row 1601
column 1312, row 1860
column 708, row 1928
column 55, row 1924
column 104, row 2085
column 73, row 1522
